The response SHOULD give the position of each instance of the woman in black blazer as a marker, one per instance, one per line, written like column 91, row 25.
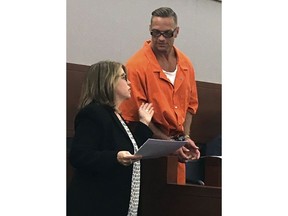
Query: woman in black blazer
column 103, row 147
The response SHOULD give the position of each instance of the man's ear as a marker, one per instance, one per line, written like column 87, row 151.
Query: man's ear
column 176, row 32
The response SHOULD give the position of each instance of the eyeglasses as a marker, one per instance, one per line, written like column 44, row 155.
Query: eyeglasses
column 166, row 34
column 123, row 76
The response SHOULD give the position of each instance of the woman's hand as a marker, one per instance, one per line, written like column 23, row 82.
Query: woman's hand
column 126, row 158
column 146, row 112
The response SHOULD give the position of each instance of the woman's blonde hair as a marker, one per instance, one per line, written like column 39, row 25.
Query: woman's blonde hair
column 100, row 82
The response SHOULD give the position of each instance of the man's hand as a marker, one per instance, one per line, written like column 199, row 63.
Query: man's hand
column 188, row 152
column 193, row 152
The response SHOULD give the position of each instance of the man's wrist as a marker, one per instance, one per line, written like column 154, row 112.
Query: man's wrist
column 187, row 137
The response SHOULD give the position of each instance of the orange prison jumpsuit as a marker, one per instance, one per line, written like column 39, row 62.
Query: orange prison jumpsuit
column 150, row 84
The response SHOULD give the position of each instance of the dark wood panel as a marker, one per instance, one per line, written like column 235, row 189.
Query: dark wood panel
column 206, row 124
column 75, row 76
column 213, row 171
column 169, row 199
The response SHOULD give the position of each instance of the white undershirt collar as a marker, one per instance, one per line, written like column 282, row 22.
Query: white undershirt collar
column 171, row 75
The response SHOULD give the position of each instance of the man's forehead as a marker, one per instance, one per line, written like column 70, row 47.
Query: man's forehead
column 163, row 23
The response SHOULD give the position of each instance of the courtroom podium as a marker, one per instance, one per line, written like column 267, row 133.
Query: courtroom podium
column 161, row 195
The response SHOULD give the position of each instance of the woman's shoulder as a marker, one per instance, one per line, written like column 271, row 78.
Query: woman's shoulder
column 94, row 111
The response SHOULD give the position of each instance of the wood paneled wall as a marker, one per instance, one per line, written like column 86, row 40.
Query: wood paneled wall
column 206, row 124
column 75, row 76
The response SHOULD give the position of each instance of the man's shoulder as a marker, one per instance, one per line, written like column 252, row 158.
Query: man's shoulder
column 138, row 57
column 141, row 57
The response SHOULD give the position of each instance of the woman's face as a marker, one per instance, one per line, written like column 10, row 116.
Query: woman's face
column 122, row 87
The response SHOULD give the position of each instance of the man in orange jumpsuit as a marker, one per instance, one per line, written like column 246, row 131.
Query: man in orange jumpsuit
column 164, row 76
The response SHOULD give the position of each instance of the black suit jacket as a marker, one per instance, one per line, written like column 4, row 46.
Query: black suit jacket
column 101, row 185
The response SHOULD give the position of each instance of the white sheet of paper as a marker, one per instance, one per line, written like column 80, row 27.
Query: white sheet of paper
column 154, row 148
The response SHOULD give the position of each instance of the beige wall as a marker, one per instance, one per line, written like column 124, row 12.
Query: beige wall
column 115, row 29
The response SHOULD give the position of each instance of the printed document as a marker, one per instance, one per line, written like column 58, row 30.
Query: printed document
column 155, row 148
